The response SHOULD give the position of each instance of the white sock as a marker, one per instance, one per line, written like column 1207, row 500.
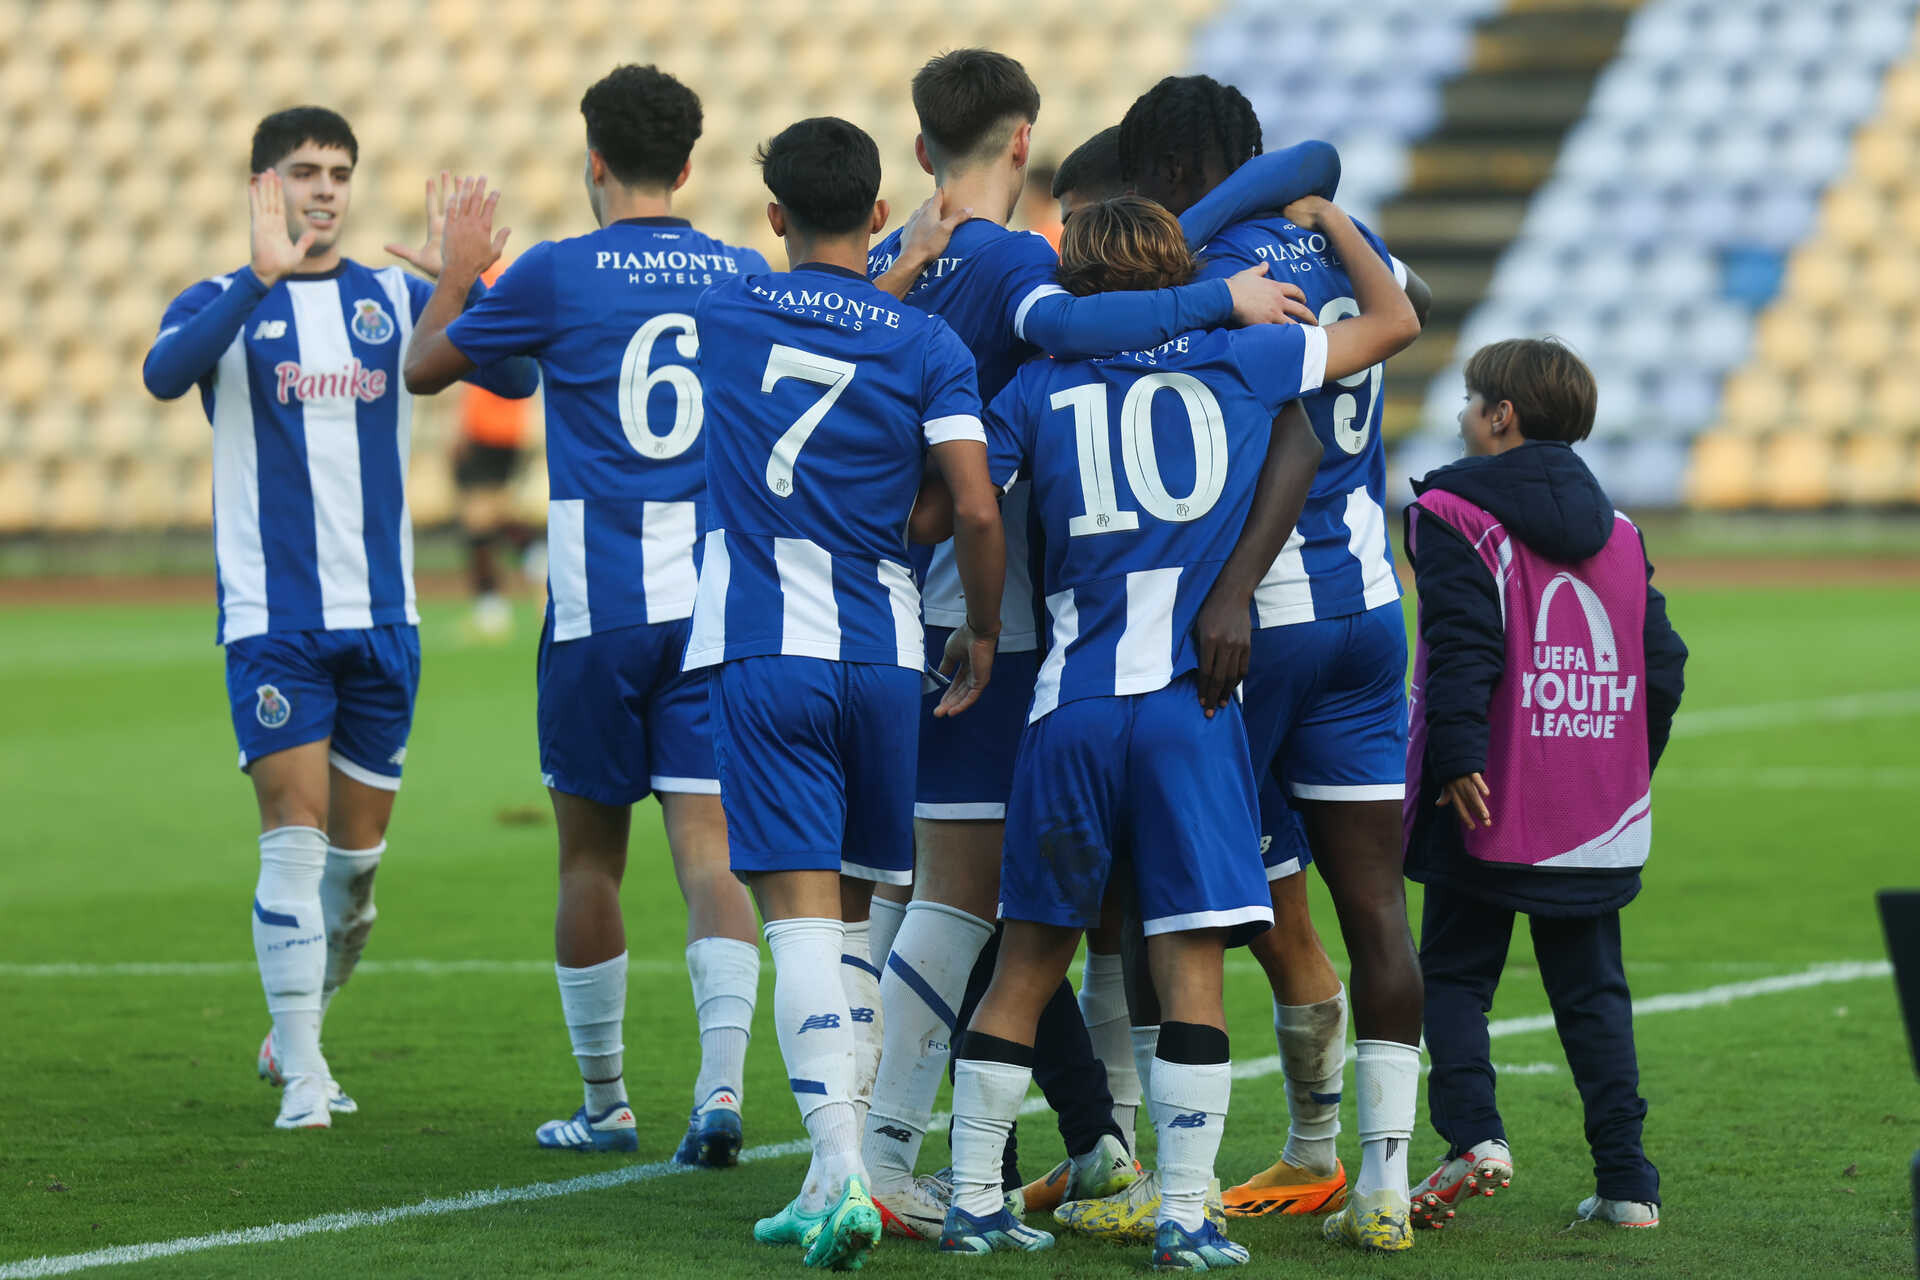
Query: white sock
column 1103, row 1004
column 290, row 942
column 923, row 983
column 1386, row 1077
column 883, row 919
column 986, row 1099
column 811, row 1018
column 861, row 979
column 1189, row 1103
column 594, row 1002
column 346, row 900
column 1146, row 1043
column 1313, row 1054
column 725, row 975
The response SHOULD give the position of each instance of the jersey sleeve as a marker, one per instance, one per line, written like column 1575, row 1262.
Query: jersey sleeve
column 1041, row 312
column 1264, row 184
column 198, row 326
column 1281, row 362
column 752, row 261
column 1006, row 432
column 514, row 317
column 950, row 406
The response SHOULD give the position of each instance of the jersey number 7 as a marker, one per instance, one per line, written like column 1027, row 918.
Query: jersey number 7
column 792, row 362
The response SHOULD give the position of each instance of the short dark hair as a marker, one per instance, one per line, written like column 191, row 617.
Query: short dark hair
column 1551, row 388
column 824, row 171
column 1128, row 242
column 1092, row 169
column 643, row 123
column 969, row 102
column 280, row 135
column 1188, row 120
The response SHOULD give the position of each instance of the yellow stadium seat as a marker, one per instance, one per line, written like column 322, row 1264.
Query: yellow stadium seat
column 20, row 492
column 193, row 495
column 429, row 491
column 1900, row 94
column 1893, row 403
column 457, row 21
column 1884, row 154
column 1796, row 471
column 77, row 496
column 1785, row 338
column 184, row 430
column 1892, row 278
column 1820, row 274
column 87, row 77
column 1872, row 470
column 60, row 28
column 1832, row 399
column 145, row 497
column 1722, row 472
column 1755, row 400
column 92, row 379
column 25, row 374
column 1863, row 340
column 1854, row 211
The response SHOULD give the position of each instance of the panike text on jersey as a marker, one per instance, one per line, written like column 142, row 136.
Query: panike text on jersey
column 1143, row 468
column 609, row 317
column 1338, row 560
column 311, row 424
column 814, row 463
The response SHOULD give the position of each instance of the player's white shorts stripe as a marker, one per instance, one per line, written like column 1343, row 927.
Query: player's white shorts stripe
column 666, row 559
column 982, row 812
column 1026, row 305
column 361, row 774
column 238, row 551
column 567, row 568
column 685, row 786
column 1143, row 657
column 1207, row 920
column 332, row 435
column 1066, row 629
column 855, row 871
column 1281, row 870
column 903, row 598
column 707, row 640
column 958, row 426
column 809, row 613
column 1361, row 791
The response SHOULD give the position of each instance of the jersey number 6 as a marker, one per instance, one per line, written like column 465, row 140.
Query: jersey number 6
column 637, row 381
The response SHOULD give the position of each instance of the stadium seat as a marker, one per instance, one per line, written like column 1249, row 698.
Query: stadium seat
column 20, row 492
column 1873, row 470
column 77, row 498
column 1796, row 471
column 1721, row 473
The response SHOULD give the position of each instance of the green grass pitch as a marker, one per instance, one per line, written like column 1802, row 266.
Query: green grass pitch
column 1782, row 1121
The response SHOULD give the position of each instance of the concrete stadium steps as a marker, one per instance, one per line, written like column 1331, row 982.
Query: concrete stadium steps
column 1470, row 180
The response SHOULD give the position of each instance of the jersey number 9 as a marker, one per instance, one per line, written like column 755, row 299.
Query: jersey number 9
column 1346, row 406
column 637, row 381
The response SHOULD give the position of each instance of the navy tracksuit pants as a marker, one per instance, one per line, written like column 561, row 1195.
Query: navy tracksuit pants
column 1463, row 948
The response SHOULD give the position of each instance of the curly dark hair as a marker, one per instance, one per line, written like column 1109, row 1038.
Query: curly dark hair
column 1179, row 129
column 1128, row 242
column 280, row 134
column 970, row 101
column 643, row 123
column 824, row 172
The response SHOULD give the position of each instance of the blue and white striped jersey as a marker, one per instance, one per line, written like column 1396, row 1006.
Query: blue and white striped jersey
column 997, row 290
column 825, row 394
column 609, row 317
column 1339, row 560
column 1143, row 468
column 311, row 424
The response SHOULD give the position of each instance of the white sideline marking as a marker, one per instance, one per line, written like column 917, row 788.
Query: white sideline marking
column 275, row 1233
column 1794, row 778
column 1765, row 715
column 230, row 968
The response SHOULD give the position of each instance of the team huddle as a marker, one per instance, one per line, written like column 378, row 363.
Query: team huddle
column 960, row 602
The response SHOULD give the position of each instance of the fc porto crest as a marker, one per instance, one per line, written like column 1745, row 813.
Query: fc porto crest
column 371, row 323
column 273, row 708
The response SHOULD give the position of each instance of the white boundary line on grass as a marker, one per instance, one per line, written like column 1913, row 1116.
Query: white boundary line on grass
column 1767, row 715
column 278, row 1232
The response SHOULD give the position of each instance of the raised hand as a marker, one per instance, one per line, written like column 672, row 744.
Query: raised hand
column 1258, row 300
column 428, row 259
column 469, row 244
column 276, row 254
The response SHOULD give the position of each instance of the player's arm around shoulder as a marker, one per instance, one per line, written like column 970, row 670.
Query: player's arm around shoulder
column 1387, row 323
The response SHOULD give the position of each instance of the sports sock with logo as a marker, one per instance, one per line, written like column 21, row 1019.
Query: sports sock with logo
column 725, row 976
column 990, row 1079
column 883, row 925
column 1386, row 1078
column 1146, row 1040
column 290, row 942
column 593, row 1000
column 346, row 901
column 811, row 1018
column 861, row 978
column 1313, row 1054
column 925, row 978
column 1103, row 1003
column 1187, row 1092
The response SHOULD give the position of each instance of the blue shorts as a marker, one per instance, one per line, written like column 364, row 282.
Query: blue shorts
column 356, row 687
column 619, row 719
column 1326, row 708
column 966, row 761
column 1149, row 777
column 816, row 762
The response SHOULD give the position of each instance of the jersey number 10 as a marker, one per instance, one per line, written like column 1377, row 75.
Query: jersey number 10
column 1093, row 435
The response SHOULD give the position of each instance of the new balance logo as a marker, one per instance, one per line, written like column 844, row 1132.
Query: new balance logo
column 1189, row 1120
column 269, row 329
column 895, row 1132
column 820, row 1022
column 863, row 1015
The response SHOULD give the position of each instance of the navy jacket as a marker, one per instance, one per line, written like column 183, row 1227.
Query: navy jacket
column 1545, row 496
